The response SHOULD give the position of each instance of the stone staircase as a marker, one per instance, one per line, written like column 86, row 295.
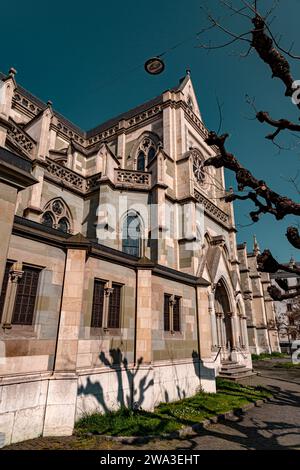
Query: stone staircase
column 234, row 371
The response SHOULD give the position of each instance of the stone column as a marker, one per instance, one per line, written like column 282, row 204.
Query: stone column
column 15, row 274
column 8, row 198
column 143, row 343
column 62, row 389
column 240, row 332
column 108, row 290
column 211, row 309
column 223, row 330
column 72, row 297
column 219, row 329
column 204, row 322
column 233, row 330
column 245, row 332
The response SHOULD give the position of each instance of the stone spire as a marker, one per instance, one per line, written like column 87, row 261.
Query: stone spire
column 256, row 249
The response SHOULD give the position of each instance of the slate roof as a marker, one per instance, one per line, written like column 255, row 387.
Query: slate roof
column 126, row 115
column 105, row 125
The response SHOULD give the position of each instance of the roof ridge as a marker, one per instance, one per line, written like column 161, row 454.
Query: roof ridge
column 104, row 125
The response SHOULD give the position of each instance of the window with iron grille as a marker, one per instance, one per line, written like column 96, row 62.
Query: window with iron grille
column 26, row 296
column 167, row 320
column 4, row 288
column 98, row 302
column 113, row 320
column 176, row 314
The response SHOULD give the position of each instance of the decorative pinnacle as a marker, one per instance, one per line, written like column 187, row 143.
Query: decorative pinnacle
column 188, row 71
column 49, row 103
column 12, row 72
column 256, row 249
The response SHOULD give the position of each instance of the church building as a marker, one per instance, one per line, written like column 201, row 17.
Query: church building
column 119, row 269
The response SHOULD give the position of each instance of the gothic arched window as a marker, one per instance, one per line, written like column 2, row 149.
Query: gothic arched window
column 63, row 225
column 145, row 153
column 57, row 215
column 131, row 235
column 47, row 219
column 151, row 154
column 141, row 162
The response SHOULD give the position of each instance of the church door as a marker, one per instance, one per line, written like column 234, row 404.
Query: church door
column 223, row 318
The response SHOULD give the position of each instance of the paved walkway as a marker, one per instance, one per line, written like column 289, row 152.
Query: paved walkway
column 274, row 425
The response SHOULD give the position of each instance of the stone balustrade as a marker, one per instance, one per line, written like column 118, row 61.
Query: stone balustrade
column 211, row 208
column 22, row 140
column 71, row 178
column 132, row 179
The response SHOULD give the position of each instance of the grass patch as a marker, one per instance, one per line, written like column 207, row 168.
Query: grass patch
column 169, row 417
column 265, row 356
column 287, row 365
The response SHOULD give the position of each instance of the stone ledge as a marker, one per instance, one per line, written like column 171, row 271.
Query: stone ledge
column 188, row 431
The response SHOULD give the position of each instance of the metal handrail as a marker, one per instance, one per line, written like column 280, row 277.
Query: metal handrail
column 219, row 350
column 241, row 351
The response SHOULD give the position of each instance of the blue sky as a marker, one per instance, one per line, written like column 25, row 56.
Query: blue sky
column 87, row 57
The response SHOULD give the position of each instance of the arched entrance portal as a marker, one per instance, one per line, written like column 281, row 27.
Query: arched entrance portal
column 223, row 318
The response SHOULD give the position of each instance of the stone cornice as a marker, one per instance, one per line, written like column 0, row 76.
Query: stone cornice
column 32, row 106
column 15, row 170
column 38, row 232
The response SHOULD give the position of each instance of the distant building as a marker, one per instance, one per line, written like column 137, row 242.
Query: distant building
column 287, row 311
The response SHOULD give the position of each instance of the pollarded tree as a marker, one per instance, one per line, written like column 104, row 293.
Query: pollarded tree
column 260, row 39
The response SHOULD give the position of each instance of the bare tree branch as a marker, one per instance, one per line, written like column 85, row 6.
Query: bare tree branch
column 277, row 205
column 281, row 124
column 267, row 264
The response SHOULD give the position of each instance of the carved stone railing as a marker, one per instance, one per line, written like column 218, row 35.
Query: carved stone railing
column 22, row 140
column 211, row 208
column 132, row 179
column 71, row 179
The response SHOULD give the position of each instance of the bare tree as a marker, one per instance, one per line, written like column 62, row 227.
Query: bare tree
column 260, row 39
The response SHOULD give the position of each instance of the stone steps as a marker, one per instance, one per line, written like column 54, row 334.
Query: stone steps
column 229, row 367
column 234, row 371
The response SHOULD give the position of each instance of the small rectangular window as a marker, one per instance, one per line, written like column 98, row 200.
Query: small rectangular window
column 113, row 320
column 26, row 297
column 98, row 302
column 176, row 314
column 167, row 325
column 4, row 287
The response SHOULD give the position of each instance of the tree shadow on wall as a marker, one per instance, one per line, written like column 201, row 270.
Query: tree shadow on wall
column 130, row 388
column 202, row 372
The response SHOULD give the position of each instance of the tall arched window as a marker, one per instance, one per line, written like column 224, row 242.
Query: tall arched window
column 145, row 153
column 131, row 235
column 57, row 215
column 141, row 162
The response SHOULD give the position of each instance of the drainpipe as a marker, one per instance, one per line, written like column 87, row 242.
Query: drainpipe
column 56, row 342
column 60, row 307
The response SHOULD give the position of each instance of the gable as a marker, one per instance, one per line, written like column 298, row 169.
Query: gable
column 189, row 94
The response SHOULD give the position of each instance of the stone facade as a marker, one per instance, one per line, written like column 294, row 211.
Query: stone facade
column 260, row 308
column 181, row 309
